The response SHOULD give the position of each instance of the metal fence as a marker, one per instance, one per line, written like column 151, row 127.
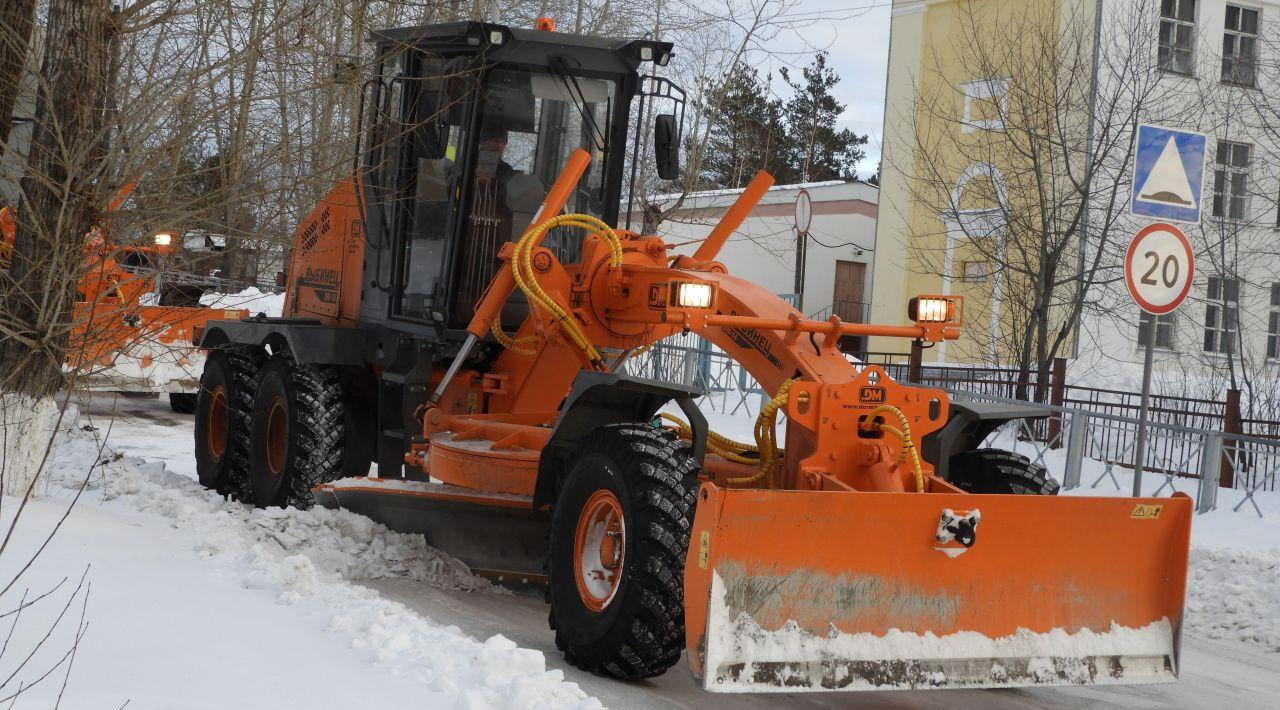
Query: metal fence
column 1195, row 456
column 1174, row 453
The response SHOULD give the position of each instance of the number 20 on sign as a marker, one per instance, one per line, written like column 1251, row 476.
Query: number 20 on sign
column 1159, row 268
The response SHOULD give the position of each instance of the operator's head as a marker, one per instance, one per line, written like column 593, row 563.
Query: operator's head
column 493, row 138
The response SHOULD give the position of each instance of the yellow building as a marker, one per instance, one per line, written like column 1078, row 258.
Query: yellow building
column 956, row 186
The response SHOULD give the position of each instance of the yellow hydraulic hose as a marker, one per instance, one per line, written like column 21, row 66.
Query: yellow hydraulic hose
column 767, row 454
column 522, row 346
column 522, row 269
column 718, row 444
column 904, row 435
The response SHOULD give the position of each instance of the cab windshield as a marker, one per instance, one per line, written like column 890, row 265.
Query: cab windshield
column 528, row 120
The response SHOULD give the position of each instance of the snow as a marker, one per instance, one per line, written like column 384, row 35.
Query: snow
column 146, row 365
column 250, row 299
column 195, row 601
column 1050, row 658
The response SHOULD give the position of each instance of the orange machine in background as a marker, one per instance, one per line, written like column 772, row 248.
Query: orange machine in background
column 119, row 342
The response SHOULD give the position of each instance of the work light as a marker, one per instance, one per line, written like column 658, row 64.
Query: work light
column 693, row 295
column 932, row 309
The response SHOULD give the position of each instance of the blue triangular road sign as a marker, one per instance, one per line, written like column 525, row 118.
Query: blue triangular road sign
column 1168, row 174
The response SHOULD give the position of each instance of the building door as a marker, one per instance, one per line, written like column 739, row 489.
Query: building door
column 847, row 301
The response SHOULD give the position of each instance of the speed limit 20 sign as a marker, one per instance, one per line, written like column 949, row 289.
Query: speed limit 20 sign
column 1158, row 268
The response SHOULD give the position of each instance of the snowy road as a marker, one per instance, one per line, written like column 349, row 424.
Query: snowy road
column 1215, row 673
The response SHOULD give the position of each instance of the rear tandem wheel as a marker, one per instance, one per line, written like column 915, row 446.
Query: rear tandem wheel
column 296, row 433
column 227, row 386
column 616, row 550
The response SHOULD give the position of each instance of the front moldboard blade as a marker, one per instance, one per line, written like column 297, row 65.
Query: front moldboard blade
column 799, row 590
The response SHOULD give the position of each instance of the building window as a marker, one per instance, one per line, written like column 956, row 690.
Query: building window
column 1164, row 330
column 1239, row 45
column 985, row 104
column 1230, row 179
column 976, row 271
column 1273, row 324
column 1221, row 315
column 1177, row 24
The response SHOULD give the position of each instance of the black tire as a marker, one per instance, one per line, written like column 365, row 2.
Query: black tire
column 296, row 432
column 227, row 386
column 183, row 403
column 639, row 632
column 1000, row 471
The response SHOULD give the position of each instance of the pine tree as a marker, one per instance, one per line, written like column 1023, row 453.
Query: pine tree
column 819, row 151
column 747, row 131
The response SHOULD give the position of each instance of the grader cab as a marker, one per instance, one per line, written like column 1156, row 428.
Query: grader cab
column 459, row 312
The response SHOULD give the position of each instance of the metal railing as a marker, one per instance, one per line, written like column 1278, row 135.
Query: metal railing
column 1174, row 454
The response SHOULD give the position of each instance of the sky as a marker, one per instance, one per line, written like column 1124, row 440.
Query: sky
column 855, row 34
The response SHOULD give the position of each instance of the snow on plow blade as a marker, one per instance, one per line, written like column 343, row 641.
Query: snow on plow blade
column 825, row 590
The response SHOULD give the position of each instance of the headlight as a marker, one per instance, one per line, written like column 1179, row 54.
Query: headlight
column 163, row 239
column 693, row 295
column 931, row 309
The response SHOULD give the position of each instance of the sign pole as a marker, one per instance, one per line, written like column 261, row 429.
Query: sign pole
column 803, row 220
column 1139, row 454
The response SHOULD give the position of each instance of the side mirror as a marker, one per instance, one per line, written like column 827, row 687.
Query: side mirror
column 666, row 146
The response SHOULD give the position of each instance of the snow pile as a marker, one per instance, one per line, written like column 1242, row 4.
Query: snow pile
column 1235, row 594
column 305, row 559
column 250, row 299
column 1023, row 658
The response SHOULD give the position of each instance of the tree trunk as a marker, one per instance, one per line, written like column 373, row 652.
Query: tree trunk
column 60, row 201
column 15, row 38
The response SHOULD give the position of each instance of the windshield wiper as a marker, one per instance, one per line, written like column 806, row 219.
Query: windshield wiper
column 559, row 69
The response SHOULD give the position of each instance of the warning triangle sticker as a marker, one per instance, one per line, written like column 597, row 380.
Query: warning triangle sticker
column 1167, row 183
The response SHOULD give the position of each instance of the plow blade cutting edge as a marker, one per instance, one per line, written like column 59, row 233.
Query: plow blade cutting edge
column 829, row 590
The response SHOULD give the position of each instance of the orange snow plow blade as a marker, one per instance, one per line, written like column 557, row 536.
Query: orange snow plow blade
column 832, row 590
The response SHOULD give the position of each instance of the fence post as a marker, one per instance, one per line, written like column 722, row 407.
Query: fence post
column 1207, row 494
column 915, row 362
column 1230, row 425
column 1059, row 385
column 1076, row 438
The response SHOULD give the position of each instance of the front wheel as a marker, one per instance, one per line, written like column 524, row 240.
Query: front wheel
column 616, row 550
column 1000, row 471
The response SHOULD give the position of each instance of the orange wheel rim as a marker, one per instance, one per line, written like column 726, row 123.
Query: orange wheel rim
column 599, row 543
column 217, row 429
column 277, row 436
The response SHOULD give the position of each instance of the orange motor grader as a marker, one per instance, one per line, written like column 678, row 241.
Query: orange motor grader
column 118, row 341
column 458, row 312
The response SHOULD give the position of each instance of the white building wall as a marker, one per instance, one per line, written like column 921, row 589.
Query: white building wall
column 763, row 249
column 1249, row 246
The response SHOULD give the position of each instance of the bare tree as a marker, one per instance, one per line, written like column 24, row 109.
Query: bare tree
column 15, row 36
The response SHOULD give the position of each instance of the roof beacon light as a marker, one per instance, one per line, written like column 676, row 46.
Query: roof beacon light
column 545, row 24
